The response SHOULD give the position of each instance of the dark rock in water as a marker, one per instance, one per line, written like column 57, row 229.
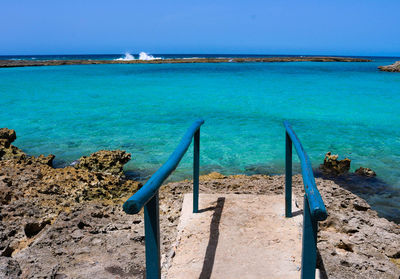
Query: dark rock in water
column 105, row 161
column 9, row 268
column 365, row 172
column 395, row 67
column 334, row 166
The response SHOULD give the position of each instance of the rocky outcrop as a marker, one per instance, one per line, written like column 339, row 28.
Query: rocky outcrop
column 395, row 67
column 69, row 223
column 7, row 136
column 367, row 172
column 354, row 242
column 104, row 161
column 11, row 152
column 334, row 166
column 7, row 150
column 46, row 212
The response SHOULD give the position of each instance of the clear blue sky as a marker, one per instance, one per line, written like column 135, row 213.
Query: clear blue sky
column 363, row 27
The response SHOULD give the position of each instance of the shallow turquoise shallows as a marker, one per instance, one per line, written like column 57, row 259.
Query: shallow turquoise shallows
column 348, row 108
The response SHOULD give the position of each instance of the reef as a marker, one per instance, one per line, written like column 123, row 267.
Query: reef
column 68, row 222
column 30, row 63
column 395, row 67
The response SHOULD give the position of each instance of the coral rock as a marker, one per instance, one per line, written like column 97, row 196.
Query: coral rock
column 9, row 268
column 46, row 160
column 7, row 135
column 11, row 152
column 211, row 176
column 365, row 172
column 105, row 161
column 395, row 67
column 334, row 166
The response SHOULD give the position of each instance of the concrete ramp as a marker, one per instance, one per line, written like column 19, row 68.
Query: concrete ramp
column 237, row 236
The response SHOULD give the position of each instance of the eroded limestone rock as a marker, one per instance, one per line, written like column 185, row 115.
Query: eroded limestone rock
column 365, row 172
column 211, row 176
column 105, row 161
column 11, row 152
column 334, row 166
column 395, row 67
column 7, row 150
column 9, row 268
column 7, row 136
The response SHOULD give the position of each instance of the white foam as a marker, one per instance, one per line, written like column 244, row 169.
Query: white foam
column 127, row 57
column 144, row 56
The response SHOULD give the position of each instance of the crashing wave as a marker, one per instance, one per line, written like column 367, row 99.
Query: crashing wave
column 144, row 56
column 127, row 57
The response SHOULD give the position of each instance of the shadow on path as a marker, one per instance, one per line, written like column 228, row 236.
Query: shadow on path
column 213, row 241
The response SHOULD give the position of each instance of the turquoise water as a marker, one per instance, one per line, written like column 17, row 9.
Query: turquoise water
column 348, row 108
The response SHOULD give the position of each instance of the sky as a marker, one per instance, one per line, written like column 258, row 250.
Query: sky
column 339, row 27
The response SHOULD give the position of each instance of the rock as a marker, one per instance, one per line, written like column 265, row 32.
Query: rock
column 68, row 223
column 395, row 67
column 7, row 136
column 5, row 193
column 47, row 160
column 365, row 172
column 105, row 161
column 334, row 166
column 25, row 63
column 8, row 151
column 9, row 268
column 212, row 175
column 11, row 152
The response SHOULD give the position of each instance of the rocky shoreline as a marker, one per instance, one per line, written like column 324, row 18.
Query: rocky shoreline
column 395, row 67
column 30, row 63
column 68, row 222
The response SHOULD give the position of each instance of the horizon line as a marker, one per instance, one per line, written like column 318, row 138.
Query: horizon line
column 231, row 54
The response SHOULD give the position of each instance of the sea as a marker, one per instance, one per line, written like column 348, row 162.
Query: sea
column 348, row 108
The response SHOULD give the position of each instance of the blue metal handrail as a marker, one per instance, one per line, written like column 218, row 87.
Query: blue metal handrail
column 314, row 207
column 147, row 197
column 317, row 206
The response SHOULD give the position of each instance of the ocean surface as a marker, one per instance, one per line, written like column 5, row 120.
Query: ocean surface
column 351, row 109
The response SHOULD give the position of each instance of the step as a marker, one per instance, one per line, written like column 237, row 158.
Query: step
column 237, row 236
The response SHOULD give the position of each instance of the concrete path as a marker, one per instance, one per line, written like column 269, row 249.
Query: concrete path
column 237, row 236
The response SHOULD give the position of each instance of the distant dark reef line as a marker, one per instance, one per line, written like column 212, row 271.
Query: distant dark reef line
column 29, row 63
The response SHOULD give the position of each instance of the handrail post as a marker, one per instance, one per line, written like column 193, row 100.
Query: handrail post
column 288, row 177
column 152, row 238
column 196, row 170
column 309, row 251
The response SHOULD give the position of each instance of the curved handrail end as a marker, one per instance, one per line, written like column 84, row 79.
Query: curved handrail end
column 136, row 202
column 320, row 214
column 200, row 121
column 131, row 207
column 315, row 201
